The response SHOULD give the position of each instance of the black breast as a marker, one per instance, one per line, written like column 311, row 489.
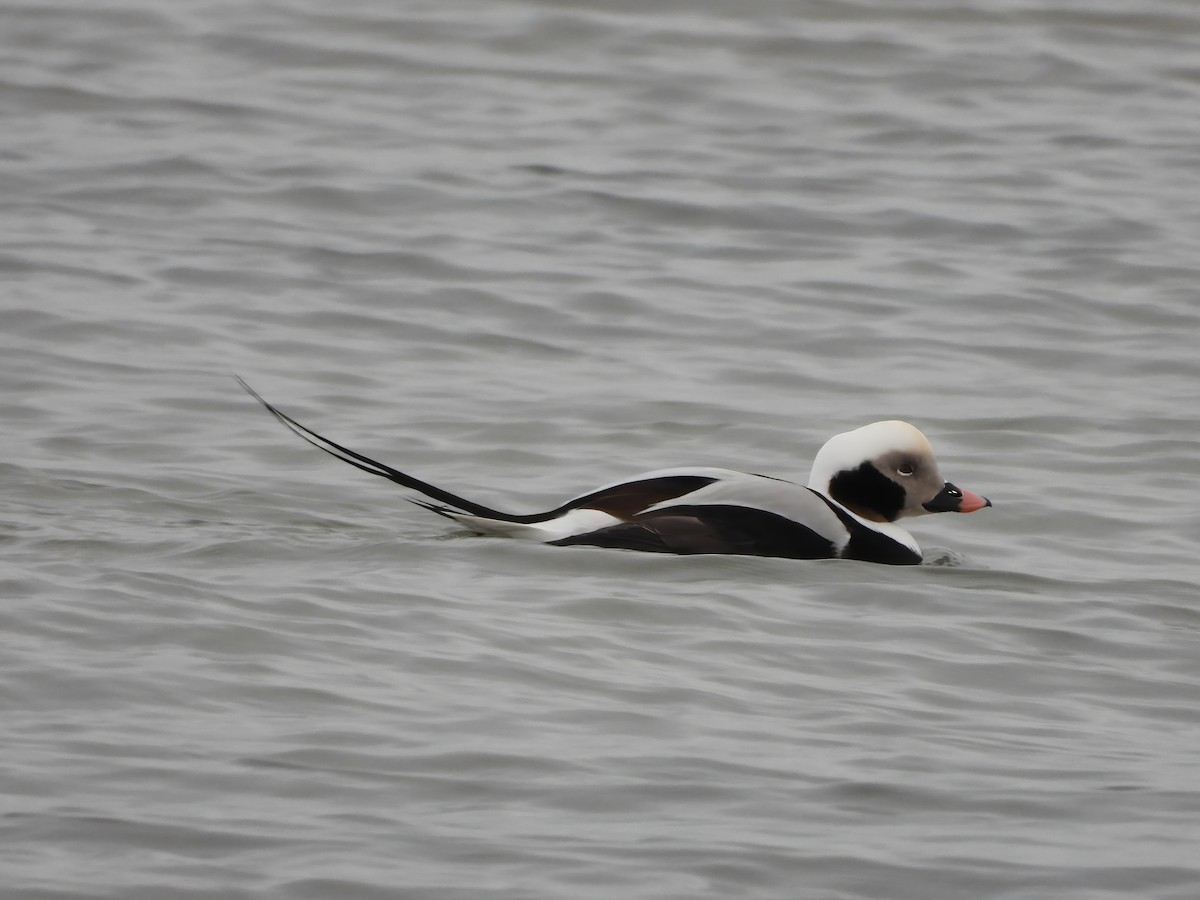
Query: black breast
column 870, row 545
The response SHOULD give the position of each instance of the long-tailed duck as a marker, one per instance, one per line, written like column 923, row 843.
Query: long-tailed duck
column 862, row 481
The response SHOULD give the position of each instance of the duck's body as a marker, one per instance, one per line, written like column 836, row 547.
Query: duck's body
column 705, row 510
column 861, row 482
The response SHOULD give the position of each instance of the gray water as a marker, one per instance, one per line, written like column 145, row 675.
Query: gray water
column 524, row 247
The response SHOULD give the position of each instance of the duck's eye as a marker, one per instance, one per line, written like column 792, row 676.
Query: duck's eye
column 905, row 469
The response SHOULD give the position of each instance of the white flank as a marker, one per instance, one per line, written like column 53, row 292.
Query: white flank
column 577, row 521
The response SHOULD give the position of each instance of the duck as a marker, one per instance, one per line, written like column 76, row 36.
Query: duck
column 861, row 483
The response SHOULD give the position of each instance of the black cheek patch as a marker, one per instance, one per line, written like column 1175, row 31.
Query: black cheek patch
column 868, row 488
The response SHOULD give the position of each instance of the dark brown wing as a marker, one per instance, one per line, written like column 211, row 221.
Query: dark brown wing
column 627, row 500
column 728, row 529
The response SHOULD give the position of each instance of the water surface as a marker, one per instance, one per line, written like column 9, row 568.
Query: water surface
column 525, row 248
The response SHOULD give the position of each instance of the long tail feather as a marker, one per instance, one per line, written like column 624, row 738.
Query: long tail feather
column 359, row 461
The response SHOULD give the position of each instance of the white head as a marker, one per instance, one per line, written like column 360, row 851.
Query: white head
column 886, row 471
